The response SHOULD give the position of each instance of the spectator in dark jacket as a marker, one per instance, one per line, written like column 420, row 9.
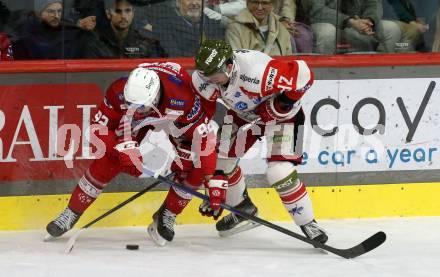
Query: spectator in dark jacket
column 4, row 15
column 86, row 14
column 178, row 27
column 120, row 38
column 5, row 46
column 43, row 36
column 412, row 26
column 356, row 22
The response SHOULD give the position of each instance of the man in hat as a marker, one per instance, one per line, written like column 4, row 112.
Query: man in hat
column 44, row 37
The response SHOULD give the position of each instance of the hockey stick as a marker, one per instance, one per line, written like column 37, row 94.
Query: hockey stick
column 353, row 252
column 71, row 242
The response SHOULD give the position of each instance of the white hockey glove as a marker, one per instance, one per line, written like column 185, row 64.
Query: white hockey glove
column 130, row 157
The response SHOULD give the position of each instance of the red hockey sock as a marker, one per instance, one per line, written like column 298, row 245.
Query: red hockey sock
column 84, row 194
column 177, row 200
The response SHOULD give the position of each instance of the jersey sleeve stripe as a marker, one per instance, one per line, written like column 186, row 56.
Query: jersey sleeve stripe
column 304, row 74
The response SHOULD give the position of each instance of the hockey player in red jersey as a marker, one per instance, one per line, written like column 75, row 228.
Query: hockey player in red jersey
column 257, row 89
column 156, row 92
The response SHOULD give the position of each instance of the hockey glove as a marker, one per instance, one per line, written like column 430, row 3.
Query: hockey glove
column 130, row 157
column 216, row 188
column 277, row 108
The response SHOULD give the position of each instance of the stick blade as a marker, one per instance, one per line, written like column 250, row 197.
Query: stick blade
column 71, row 242
column 374, row 241
column 366, row 246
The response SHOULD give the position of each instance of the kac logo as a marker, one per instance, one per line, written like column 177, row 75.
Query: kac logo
column 203, row 86
column 296, row 210
column 257, row 100
column 241, row 106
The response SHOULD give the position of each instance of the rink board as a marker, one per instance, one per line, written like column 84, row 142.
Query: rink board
column 332, row 202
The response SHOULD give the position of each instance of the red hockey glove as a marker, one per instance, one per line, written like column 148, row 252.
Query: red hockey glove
column 216, row 188
column 277, row 108
column 130, row 157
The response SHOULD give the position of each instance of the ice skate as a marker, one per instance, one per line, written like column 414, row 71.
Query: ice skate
column 161, row 230
column 314, row 232
column 233, row 224
column 63, row 223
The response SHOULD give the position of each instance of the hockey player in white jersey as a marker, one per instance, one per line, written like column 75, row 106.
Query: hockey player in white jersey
column 257, row 88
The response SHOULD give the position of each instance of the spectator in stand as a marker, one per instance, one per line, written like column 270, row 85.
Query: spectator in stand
column 258, row 28
column 120, row 39
column 294, row 19
column 227, row 9
column 288, row 10
column 412, row 26
column 5, row 45
column 436, row 45
column 4, row 15
column 178, row 26
column 44, row 35
column 357, row 23
column 87, row 14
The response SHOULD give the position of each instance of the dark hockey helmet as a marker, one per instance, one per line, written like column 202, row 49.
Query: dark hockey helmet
column 212, row 56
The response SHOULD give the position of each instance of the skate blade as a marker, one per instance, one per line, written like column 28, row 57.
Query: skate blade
column 48, row 238
column 154, row 235
column 248, row 225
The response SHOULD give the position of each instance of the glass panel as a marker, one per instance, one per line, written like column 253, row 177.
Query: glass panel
column 385, row 26
column 322, row 15
column 417, row 23
column 36, row 29
column 276, row 27
column 122, row 29
column 178, row 25
column 361, row 28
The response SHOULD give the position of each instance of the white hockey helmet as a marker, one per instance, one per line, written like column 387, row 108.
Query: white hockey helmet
column 142, row 87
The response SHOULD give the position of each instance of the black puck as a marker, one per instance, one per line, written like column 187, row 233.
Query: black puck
column 132, row 247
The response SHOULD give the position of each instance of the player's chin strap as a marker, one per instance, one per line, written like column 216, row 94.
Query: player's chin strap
column 355, row 251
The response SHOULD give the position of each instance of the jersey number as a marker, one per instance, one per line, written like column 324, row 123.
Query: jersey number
column 101, row 118
column 284, row 83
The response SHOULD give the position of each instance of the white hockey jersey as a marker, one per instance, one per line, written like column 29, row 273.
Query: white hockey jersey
column 256, row 77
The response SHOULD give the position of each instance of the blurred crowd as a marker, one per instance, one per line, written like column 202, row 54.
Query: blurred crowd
column 77, row 29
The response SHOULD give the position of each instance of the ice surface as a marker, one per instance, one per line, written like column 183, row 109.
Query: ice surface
column 412, row 249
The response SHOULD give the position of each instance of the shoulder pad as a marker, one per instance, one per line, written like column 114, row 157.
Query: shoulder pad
column 114, row 95
column 203, row 88
column 168, row 67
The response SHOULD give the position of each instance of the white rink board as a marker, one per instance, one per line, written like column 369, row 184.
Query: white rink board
column 411, row 250
column 392, row 149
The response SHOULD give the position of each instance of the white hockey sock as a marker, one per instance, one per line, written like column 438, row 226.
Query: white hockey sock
column 292, row 192
column 236, row 188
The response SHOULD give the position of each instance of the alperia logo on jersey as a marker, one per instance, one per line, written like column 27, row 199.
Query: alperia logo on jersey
column 245, row 78
column 270, row 81
column 211, row 56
